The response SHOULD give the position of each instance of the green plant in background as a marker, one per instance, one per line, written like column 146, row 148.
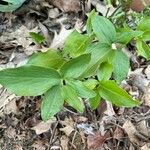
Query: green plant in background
column 10, row 5
column 90, row 68
column 39, row 39
column 141, row 41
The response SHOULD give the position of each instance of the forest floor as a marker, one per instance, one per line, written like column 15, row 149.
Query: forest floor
column 107, row 128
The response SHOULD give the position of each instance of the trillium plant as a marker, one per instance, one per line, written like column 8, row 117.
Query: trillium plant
column 90, row 68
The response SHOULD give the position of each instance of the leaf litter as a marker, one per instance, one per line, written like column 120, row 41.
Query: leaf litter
column 108, row 127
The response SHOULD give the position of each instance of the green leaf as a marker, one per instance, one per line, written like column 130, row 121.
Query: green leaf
column 52, row 103
column 100, row 52
column 29, row 80
column 37, row 37
column 143, row 49
column 94, row 102
column 110, row 91
column 89, row 22
column 12, row 5
column 105, row 71
column 104, row 29
column 121, row 66
column 91, row 83
column 76, row 44
column 144, row 24
column 146, row 36
column 125, row 35
column 49, row 59
column 75, row 67
column 81, row 89
column 71, row 97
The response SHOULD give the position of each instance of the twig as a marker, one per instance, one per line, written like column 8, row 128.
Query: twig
column 53, row 133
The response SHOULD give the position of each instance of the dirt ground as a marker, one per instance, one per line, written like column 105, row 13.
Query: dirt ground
column 107, row 128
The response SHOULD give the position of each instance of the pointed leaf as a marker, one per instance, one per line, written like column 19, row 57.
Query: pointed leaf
column 146, row 36
column 125, row 35
column 95, row 101
column 91, row 83
column 110, row 91
column 144, row 24
column 75, row 67
column 143, row 49
column 71, row 97
column 49, row 59
column 105, row 71
column 120, row 66
column 52, row 103
column 104, row 29
column 100, row 52
column 76, row 44
column 89, row 21
column 81, row 89
column 29, row 80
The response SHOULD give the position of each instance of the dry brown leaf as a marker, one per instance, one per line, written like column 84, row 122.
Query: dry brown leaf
column 18, row 147
column 68, row 122
column 10, row 133
column 131, row 131
column 64, row 142
column 45, row 31
column 20, row 36
column 31, row 122
column 5, row 97
column 101, row 8
column 60, row 38
column 80, row 119
column 96, row 141
column 147, row 96
column 43, row 126
column 109, row 111
column 132, row 147
column 67, row 130
column 67, row 6
column 118, row 134
column 138, row 79
column 53, row 13
column 145, row 147
column 143, row 128
column 39, row 145
column 11, row 107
